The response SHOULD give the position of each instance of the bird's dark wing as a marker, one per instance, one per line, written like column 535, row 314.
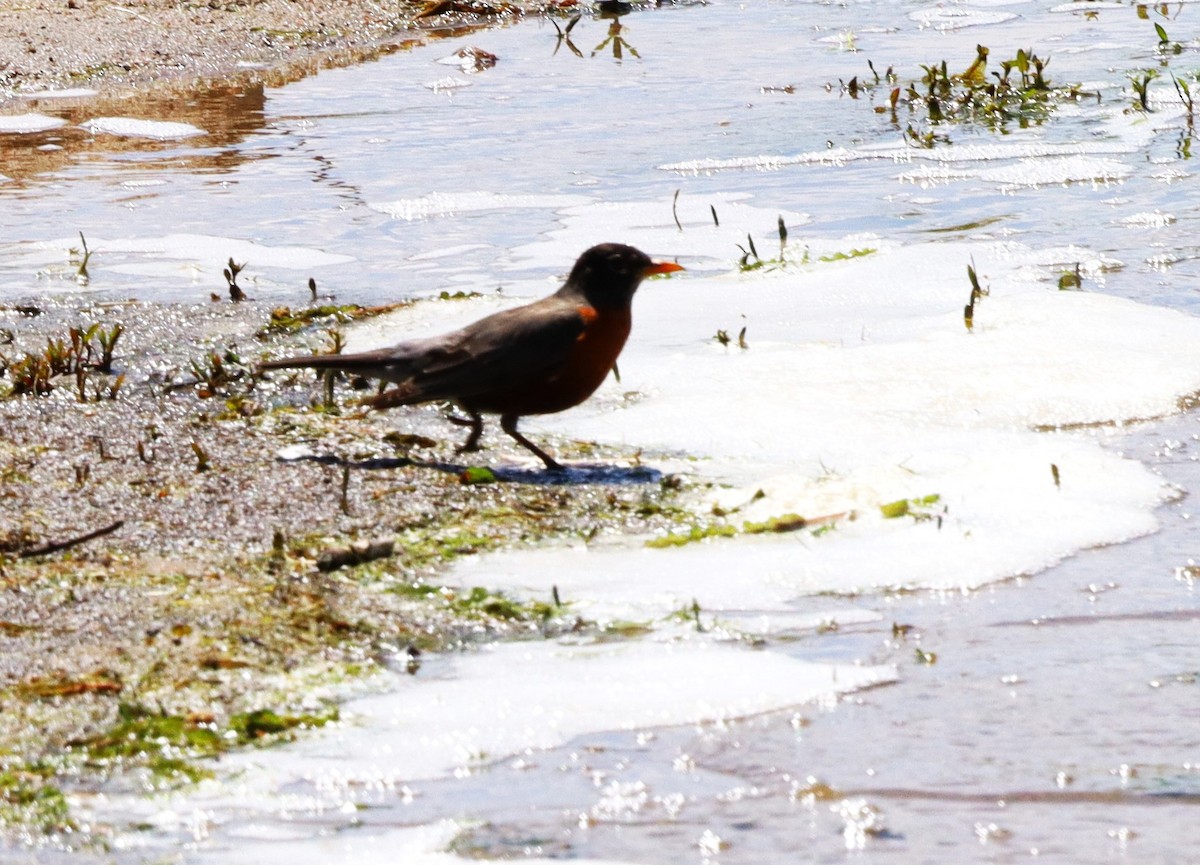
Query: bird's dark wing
column 492, row 353
column 498, row 350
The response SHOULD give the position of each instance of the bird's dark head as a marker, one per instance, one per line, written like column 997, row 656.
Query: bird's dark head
column 608, row 274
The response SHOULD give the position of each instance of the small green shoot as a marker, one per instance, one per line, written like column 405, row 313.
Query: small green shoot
column 919, row 509
column 723, row 337
column 1185, row 96
column 976, row 293
column 215, row 372
column 1140, row 81
column 1070, row 279
column 231, row 274
column 81, row 272
column 688, row 614
column 750, row 260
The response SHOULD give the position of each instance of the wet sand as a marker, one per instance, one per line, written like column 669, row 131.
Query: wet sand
column 50, row 44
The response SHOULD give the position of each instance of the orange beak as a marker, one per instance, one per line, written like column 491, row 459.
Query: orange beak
column 662, row 267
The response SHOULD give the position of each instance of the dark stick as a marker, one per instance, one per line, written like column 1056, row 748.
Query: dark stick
column 58, row 546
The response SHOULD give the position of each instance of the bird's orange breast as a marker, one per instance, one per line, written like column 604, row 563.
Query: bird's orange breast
column 583, row 368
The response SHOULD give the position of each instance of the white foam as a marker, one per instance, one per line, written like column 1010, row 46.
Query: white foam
column 201, row 253
column 957, row 17
column 453, row 203
column 1121, row 134
column 448, row 84
column 1057, row 171
column 132, row 127
column 542, row 695
column 862, row 386
column 503, row 700
column 1152, row 219
column 651, row 226
column 64, row 93
column 23, row 124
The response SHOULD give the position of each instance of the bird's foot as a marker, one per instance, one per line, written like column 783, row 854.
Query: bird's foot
column 508, row 423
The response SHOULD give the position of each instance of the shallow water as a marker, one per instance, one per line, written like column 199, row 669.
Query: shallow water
column 324, row 162
column 1060, row 715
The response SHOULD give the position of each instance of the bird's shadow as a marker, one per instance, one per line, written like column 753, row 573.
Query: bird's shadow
column 586, row 473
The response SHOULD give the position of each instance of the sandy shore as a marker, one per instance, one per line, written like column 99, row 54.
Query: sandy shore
column 108, row 44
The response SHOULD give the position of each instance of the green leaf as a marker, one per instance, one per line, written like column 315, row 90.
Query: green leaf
column 477, row 475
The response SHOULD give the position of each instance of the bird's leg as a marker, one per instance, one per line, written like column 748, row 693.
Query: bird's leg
column 508, row 423
column 475, row 423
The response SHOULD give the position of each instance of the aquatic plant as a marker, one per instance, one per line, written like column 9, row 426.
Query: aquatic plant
column 919, row 509
column 1019, row 93
column 781, row 524
column 977, row 292
column 231, row 274
column 83, row 351
column 1185, row 96
column 564, row 35
column 214, row 373
column 169, row 744
column 846, row 256
column 1140, row 82
column 722, row 336
column 286, row 320
column 81, row 270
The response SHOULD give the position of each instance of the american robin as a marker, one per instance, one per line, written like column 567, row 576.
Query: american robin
column 540, row 358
